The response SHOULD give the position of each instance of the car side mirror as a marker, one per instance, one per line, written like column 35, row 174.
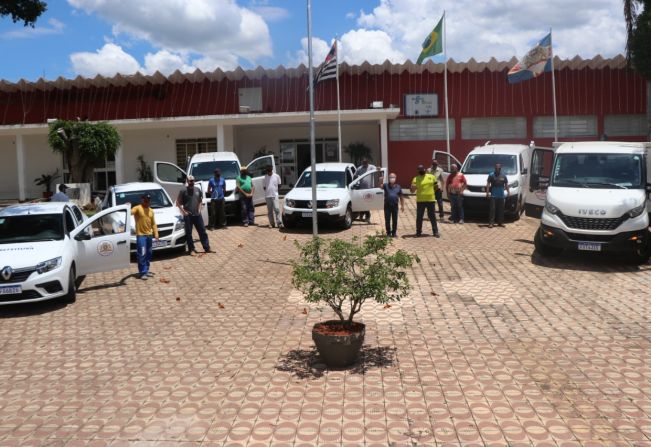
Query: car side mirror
column 83, row 236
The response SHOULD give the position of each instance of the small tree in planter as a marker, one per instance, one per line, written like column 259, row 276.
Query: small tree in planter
column 46, row 180
column 344, row 275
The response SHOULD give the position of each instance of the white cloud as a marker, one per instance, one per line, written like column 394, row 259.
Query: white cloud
column 374, row 46
column 165, row 62
column 271, row 13
column 55, row 27
column 107, row 61
column 218, row 31
column 320, row 49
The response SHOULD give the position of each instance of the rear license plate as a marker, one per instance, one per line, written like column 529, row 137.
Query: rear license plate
column 585, row 246
column 306, row 214
column 159, row 244
column 10, row 290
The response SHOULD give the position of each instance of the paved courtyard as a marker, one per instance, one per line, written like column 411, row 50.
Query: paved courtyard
column 493, row 346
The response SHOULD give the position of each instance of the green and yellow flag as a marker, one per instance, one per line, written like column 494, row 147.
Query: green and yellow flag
column 433, row 43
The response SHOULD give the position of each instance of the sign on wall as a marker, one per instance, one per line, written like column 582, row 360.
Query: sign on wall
column 425, row 104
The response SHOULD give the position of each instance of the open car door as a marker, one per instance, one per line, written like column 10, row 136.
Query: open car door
column 445, row 160
column 542, row 160
column 103, row 241
column 257, row 170
column 366, row 192
column 170, row 177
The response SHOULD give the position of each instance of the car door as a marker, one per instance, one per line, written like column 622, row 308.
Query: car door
column 366, row 192
column 445, row 160
column 540, row 171
column 170, row 177
column 257, row 170
column 102, row 241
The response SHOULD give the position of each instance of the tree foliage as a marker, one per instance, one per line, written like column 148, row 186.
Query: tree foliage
column 85, row 145
column 344, row 275
column 638, row 44
column 26, row 10
column 357, row 151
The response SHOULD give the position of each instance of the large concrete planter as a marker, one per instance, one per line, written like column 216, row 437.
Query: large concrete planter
column 338, row 346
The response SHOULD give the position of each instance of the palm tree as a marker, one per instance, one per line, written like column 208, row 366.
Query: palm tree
column 637, row 14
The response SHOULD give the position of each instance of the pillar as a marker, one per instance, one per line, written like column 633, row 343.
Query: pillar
column 119, row 164
column 384, row 143
column 224, row 138
column 20, row 164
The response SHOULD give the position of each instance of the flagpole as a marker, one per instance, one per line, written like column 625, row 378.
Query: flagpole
column 551, row 41
column 315, row 226
column 338, row 103
column 445, row 83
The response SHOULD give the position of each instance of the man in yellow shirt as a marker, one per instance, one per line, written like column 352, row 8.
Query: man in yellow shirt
column 146, row 230
column 425, row 186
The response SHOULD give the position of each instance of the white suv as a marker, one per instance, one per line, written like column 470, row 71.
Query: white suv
column 339, row 197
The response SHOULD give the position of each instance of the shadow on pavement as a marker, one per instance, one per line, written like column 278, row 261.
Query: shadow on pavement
column 31, row 309
column 110, row 285
column 306, row 364
column 589, row 262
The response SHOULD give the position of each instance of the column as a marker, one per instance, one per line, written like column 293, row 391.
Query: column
column 224, row 138
column 119, row 164
column 384, row 143
column 20, row 162
column 220, row 138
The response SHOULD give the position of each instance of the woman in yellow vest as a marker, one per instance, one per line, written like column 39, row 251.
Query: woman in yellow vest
column 425, row 186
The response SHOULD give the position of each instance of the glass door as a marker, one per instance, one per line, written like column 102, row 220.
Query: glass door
column 287, row 166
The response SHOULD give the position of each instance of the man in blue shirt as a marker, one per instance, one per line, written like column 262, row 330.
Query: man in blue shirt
column 392, row 196
column 496, row 186
column 216, row 190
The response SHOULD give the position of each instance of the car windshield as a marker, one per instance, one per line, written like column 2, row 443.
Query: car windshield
column 158, row 198
column 203, row 170
column 608, row 171
column 324, row 179
column 31, row 228
column 485, row 164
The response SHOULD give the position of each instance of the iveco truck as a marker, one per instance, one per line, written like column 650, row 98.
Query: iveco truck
column 592, row 196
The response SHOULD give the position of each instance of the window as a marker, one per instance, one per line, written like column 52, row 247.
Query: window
column 70, row 221
column 625, row 125
column 419, row 130
column 167, row 172
column 493, row 128
column 112, row 223
column 568, row 126
column 185, row 149
column 78, row 214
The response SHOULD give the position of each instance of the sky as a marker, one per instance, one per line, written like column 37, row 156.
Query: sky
column 91, row 37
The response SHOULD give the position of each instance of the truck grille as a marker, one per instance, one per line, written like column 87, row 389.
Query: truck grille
column 308, row 205
column 589, row 223
column 476, row 188
column 18, row 275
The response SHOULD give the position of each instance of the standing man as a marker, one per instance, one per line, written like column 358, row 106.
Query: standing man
column 190, row 203
column 246, row 189
column 455, row 185
column 496, row 185
column 366, row 183
column 392, row 194
column 216, row 189
column 437, row 172
column 424, row 185
column 60, row 196
column 270, row 184
column 146, row 230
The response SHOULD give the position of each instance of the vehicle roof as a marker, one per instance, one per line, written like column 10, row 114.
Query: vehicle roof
column 331, row 167
column 136, row 186
column 214, row 156
column 35, row 208
column 500, row 149
column 622, row 147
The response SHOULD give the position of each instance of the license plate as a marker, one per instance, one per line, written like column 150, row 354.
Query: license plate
column 585, row 246
column 306, row 214
column 159, row 244
column 10, row 290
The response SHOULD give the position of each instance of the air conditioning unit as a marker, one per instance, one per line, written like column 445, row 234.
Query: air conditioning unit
column 377, row 105
column 245, row 109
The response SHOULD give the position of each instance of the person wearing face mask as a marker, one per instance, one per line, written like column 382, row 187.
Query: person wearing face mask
column 496, row 186
column 455, row 185
column 392, row 196
column 425, row 185
column 437, row 172
column 244, row 185
column 190, row 204
column 216, row 189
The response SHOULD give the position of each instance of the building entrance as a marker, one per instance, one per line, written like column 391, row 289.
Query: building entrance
column 295, row 157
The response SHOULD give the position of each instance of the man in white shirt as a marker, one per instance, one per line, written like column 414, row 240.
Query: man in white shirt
column 61, row 195
column 270, row 183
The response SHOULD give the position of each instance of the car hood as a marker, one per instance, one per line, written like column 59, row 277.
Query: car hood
column 480, row 179
column 29, row 254
column 203, row 185
column 321, row 194
column 593, row 202
column 163, row 216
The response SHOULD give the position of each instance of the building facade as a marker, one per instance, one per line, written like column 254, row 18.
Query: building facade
column 396, row 110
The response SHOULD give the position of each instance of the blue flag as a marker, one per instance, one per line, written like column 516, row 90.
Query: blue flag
column 536, row 62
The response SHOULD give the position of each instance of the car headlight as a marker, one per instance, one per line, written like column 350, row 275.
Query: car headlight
column 515, row 184
column 551, row 209
column 290, row 203
column 180, row 224
column 637, row 210
column 48, row 265
column 332, row 203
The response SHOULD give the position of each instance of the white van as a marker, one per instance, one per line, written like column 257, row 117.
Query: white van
column 480, row 162
column 202, row 166
column 592, row 196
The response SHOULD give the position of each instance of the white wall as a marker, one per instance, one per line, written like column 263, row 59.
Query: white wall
column 8, row 168
column 39, row 159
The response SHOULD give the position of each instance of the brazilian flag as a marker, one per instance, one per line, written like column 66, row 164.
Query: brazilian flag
column 433, row 43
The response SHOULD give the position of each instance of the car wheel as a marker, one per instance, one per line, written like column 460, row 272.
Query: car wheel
column 288, row 221
column 544, row 249
column 347, row 220
column 78, row 282
column 642, row 254
column 71, row 296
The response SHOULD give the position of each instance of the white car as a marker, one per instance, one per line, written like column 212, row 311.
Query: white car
column 46, row 249
column 171, row 229
column 339, row 196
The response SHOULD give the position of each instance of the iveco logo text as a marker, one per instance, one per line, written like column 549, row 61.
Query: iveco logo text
column 588, row 212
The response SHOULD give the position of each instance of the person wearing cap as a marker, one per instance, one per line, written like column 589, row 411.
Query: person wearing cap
column 61, row 195
column 424, row 185
column 190, row 203
column 146, row 231
column 216, row 190
column 245, row 188
column 270, row 184
column 437, row 172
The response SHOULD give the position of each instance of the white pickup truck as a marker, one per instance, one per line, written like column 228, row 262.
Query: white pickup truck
column 592, row 196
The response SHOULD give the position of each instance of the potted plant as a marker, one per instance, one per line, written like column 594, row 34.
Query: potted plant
column 345, row 275
column 46, row 180
column 357, row 151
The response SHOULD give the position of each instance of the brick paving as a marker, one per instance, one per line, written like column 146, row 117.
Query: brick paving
column 494, row 346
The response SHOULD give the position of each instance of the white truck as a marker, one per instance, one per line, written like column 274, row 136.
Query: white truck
column 592, row 196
